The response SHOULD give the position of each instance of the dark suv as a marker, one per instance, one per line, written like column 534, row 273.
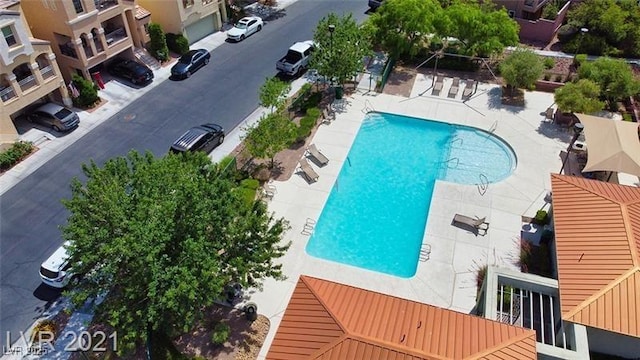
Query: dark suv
column 131, row 70
column 200, row 138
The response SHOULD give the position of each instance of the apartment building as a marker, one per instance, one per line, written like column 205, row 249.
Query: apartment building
column 194, row 19
column 84, row 34
column 28, row 70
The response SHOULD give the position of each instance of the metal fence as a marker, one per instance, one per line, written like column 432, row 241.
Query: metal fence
column 385, row 73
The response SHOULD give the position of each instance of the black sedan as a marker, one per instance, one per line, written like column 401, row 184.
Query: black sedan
column 131, row 70
column 190, row 62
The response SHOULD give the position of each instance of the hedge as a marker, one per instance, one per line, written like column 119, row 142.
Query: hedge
column 13, row 155
column 177, row 43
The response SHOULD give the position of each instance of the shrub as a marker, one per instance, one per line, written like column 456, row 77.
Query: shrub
column 47, row 326
column 13, row 155
column 549, row 63
column 262, row 173
column 550, row 11
column 158, row 42
column 247, row 195
column 177, row 43
column 580, row 59
column 546, row 77
column 88, row 92
column 220, row 333
column 308, row 121
column 626, row 117
column 541, row 217
column 306, row 125
column 313, row 112
column 566, row 33
column 252, row 184
column 312, row 101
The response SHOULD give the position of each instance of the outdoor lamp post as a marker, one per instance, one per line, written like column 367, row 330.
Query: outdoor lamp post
column 577, row 130
column 582, row 32
column 332, row 29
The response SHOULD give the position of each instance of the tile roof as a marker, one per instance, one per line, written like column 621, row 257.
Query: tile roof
column 331, row 321
column 597, row 236
column 141, row 12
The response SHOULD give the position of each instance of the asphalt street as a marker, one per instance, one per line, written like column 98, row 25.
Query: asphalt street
column 225, row 92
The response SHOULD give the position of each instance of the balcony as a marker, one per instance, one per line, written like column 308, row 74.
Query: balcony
column 68, row 50
column 28, row 82
column 7, row 94
column 47, row 72
column 115, row 36
column 105, row 4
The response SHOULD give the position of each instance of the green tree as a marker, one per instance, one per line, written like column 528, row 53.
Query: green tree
column 88, row 91
column 162, row 237
column 614, row 76
column 273, row 93
column 158, row 42
column 580, row 97
column 339, row 53
column 521, row 69
column 403, row 27
column 272, row 134
column 481, row 29
column 616, row 22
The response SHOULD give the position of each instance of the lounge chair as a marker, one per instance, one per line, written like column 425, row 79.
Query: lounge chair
column 453, row 91
column 469, row 89
column 308, row 171
column 328, row 115
column 313, row 150
column 477, row 224
column 548, row 115
column 437, row 87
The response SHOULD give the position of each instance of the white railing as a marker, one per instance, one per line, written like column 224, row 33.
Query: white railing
column 7, row 94
column 47, row 72
column 28, row 82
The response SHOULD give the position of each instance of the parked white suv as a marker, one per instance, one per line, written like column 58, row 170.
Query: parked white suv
column 55, row 270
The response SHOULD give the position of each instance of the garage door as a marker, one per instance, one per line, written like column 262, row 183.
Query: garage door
column 200, row 29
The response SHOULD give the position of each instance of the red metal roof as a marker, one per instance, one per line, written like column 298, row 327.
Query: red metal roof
column 597, row 236
column 331, row 321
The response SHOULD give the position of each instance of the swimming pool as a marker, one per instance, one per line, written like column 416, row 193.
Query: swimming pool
column 376, row 213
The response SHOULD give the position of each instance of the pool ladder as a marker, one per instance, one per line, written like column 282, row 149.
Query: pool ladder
column 425, row 252
column 368, row 107
column 308, row 227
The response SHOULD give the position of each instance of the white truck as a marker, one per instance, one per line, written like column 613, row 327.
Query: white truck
column 297, row 58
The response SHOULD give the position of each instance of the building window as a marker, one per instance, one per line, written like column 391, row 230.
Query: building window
column 77, row 4
column 205, row 2
column 187, row 3
column 146, row 28
column 7, row 32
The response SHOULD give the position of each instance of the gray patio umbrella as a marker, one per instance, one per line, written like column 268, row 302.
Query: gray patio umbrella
column 612, row 145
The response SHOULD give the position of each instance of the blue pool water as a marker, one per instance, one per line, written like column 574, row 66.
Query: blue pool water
column 377, row 211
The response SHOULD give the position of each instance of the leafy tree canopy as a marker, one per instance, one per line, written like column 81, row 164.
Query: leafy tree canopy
column 339, row 54
column 579, row 97
column 614, row 76
column 403, row 27
column 163, row 236
column 272, row 134
column 615, row 21
column 273, row 92
column 482, row 30
column 521, row 68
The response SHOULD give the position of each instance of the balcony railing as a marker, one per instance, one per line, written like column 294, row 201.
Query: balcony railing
column 115, row 36
column 68, row 51
column 105, row 4
column 28, row 82
column 7, row 94
column 47, row 72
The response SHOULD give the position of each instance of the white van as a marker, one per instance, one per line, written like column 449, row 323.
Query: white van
column 54, row 270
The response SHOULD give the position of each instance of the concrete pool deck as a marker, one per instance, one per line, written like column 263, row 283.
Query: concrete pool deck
column 448, row 278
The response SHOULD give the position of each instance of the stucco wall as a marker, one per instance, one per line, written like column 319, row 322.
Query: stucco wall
column 542, row 30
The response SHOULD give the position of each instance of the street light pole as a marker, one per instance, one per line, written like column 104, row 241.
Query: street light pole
column 332, row 28
column 582, row 32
